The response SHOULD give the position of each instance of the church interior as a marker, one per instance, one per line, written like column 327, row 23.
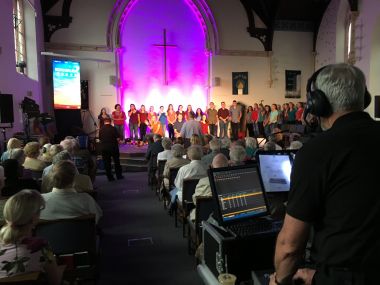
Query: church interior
column 63, row 61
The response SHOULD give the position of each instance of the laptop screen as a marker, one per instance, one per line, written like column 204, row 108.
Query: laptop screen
column 275, row 171
column 239, row 192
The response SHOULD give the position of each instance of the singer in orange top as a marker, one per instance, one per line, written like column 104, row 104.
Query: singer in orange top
column 155, row 126
column 119, row 117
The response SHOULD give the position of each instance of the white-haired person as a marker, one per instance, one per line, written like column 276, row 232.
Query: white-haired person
column 166, row 154
column 64, row 201
column 177, row 161
column 237, row 155
column 21, row 253
column 194, row 169
column 32, row 151
column 82, row 182
column 214, row 145
column 45, row 153
column 11, row 144
column 250, row 147
column 225, row 146
column 203, row 188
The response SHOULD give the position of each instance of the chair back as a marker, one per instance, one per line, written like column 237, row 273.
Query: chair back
column 204, row 208
column 188, row 189
column 161, row 167
column 67, row 236
column 173, row 174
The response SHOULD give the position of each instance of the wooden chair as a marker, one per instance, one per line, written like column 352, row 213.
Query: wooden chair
column 186, row 204
column 76, row 237
column 152, row 169
column 205, row 206
column 160, row 177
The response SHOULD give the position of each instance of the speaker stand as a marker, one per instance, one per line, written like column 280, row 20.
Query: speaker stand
column 3, row 130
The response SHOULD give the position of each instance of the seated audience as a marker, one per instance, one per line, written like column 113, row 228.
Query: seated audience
column 82, row 183
column 83, row 160
column 206, row 140
column 295, row 145
column 203, row 188
column 19, row 155
column 250, row 147
column 45, row 154
column 195, row 140
column 12, row 144
column 270, row 146
column 64, row 201
column 177, row 161
column 276, row 146
column 225, row 146
column 166, row 154
column 21, row 252
column 13, row 181
column 237, row 155
column 153, row 150
column 32, row 151
column 194, row 169
column 215, row 149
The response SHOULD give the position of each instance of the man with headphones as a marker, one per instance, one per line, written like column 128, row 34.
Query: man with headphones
column 334, row 188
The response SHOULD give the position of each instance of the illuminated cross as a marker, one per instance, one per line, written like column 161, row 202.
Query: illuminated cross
column 165, row 45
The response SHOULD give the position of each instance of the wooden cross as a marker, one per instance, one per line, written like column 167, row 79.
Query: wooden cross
column 165, row 45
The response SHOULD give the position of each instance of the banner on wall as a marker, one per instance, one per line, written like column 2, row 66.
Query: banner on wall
column 292, row 83
column 240, row 83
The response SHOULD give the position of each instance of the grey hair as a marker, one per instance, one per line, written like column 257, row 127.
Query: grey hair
column 166, row 143
column 226, row 142
column 269, row 146
column 18, row 154
column 237, row 153
column 70, row 145
column 61, row 156
column 195, row 152
column 250, row 142
column 215, row 144
column 178, row 150
column 344, row 86
column 295, row 145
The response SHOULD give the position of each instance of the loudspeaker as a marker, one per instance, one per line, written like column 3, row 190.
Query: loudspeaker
column 84, row 94
column 377, row 106
column 216, row 81
column 6, row 109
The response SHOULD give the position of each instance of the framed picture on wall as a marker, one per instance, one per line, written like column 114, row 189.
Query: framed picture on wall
column 292, row 83
column 240, row 83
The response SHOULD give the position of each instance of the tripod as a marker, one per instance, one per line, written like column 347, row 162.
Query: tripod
column 3, row 130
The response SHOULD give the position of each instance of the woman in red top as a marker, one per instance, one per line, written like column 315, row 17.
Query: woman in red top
column 299, row 113
column 204, row 125
column 172, row 117
column 118, row 117
column 143, row 122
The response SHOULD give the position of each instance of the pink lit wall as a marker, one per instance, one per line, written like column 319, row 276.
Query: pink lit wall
column 142, row 63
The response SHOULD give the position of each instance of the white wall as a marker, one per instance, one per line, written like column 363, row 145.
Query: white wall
column 11, row 81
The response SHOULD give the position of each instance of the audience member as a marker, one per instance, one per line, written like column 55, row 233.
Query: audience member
column 153, row 150
column 250, row 147
column 32, row 151
column 12, row 144
column 203, row 188
column 45, row 154
column 194, row 169
column 166, row 154
column 13, row 181
column 295, row 145
column 21, row 252
column 177, row 161
column 225, row 146
column 270, row 146
column 237, row 155
column 215, row 149
column 195, row 140
column 64, row 201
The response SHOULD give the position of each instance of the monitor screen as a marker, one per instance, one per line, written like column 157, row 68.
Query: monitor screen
column 275, row 172
column 239, row 193
column 66, row 83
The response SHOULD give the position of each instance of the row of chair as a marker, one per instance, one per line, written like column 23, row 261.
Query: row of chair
column 203, row 209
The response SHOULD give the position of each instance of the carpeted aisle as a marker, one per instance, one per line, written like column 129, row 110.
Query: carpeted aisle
column 140, row 244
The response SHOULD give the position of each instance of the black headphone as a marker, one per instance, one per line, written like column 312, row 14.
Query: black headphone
column 317, row 103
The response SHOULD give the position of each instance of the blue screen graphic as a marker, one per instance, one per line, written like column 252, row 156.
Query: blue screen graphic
column 66, row 82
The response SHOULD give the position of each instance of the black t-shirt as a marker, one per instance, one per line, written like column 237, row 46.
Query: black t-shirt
column 335, row 187
column 108, row 136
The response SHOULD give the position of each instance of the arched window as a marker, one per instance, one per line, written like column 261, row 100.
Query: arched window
column 350, row 52
column 19, row 35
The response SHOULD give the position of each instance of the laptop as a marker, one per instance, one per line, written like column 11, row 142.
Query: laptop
column 275, row 168
column 242, row 205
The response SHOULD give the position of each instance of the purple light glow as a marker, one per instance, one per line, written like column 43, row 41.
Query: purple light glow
column 142, row 64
